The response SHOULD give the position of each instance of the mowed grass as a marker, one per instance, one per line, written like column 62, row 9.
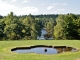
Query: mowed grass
column 6, row 54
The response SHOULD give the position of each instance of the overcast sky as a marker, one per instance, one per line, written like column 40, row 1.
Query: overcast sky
column 23, row 7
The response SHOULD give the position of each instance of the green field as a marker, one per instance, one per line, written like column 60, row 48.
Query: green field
column 6, row 54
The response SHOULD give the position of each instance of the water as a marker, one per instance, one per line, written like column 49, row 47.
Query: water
column 45, row 50
column 39, row 50
column 43, row 32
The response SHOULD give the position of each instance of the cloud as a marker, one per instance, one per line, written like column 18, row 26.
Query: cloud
column 25, row 1
column 26, row 10
column 7, row 8
column 42, row 4
column 56, row 4
column 44, row 13
column 50, row 7
column 55, row 11
column 6, row 1
column 60, row 9
column 13, row 0
column 64, row 4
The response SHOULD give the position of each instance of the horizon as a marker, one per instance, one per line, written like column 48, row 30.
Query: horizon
column 38, row 14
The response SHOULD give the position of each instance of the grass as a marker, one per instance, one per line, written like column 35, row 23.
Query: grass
column 6, row 54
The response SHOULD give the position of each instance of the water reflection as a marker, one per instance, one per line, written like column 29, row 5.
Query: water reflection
column 46, row 50
column 43, row 35
column 60, row 50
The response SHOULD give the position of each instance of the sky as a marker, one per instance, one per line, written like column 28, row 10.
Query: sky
column 36, row 7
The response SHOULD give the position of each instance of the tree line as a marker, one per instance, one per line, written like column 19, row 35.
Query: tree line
column 28, row 27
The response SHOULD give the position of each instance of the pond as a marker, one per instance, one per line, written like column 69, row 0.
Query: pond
column 43, row 49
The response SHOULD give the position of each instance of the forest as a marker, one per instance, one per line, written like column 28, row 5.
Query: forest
column 28, row 27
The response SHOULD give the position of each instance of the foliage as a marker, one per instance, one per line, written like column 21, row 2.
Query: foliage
column 67, row 27
column 59, row 26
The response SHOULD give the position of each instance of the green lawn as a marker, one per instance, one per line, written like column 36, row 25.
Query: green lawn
column 6, row 54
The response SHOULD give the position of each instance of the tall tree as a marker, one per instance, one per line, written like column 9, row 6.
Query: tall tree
column 66, row 27
column 2, row 25
column 30, row 29
column 59, row 28
column 50, row 27
column 13, row 28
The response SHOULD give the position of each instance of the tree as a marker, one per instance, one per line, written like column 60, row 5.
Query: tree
column 34, row 32
column 1, row 17
column 13, row 28
column 50, row 27
column 70, row 27
column 2, row 25
column 31, row 26
column 67, row 27
column 59, row 28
